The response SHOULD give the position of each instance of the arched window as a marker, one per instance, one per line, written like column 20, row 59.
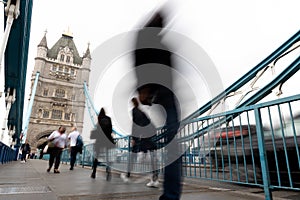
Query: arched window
column 62, row 57
column 59, row 93
column 68, row 59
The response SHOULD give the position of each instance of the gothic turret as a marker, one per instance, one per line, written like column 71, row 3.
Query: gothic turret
column 42, row 47
column 86, row 64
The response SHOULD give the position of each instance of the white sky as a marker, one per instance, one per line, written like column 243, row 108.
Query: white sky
column 235, row 34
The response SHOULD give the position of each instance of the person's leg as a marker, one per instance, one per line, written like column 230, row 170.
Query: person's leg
column 108, row 163
column 95, row 164
column 51, row 160
column 154, row 165
column 23, row 157
column 72, row 157
column 57, row 159
column 172, row 181
column 172, row 173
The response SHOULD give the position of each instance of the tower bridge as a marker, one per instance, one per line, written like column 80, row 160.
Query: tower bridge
column 254, row 144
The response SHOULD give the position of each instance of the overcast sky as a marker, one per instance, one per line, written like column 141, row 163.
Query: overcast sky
column 235, row 34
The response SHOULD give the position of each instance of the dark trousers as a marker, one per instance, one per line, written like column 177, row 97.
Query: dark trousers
column 55, row 154
column 73, row 156
column 173, row 171
column 108, row 163
column 23, row 157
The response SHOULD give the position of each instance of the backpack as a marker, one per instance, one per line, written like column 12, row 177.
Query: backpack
column 79, row 143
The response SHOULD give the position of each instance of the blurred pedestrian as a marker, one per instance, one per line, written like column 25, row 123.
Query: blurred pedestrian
column 153, row 68
column 73, row 136
column 142, row 131
column 25, row 149
column 104, row 141
column 59, row 140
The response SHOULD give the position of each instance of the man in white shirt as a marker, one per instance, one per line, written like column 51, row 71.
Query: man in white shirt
column 73, row 138
column 59, row 140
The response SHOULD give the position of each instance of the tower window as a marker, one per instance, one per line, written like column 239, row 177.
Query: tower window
column 59, row 93
column 66, row 70
column 68, row 59
column 62, row 57
column 45, row 93
column 54, row 68
column 67, row 116
column 56, row 114
column 60, row 68
column 46, row 114
column 72, row 71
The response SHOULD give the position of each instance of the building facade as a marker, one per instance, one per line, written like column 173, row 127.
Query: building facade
column 59, row 98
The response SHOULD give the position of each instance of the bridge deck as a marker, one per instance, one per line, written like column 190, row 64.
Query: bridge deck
column 31, row 181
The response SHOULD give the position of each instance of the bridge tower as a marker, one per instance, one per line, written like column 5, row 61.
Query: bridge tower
column 59, row 98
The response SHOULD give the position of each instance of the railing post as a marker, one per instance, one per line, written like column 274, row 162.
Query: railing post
column 83, row 156
column 262, row 155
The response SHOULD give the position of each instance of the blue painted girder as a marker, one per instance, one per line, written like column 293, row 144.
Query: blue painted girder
column 16, row 56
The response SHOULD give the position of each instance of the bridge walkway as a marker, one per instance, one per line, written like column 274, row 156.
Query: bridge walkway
column 28, row 181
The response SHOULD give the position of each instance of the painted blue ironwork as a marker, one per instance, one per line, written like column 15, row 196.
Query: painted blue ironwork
column 275, row 56
column 29, row 110
column 89, row 104
column 262, row 155
column 16, row 56
column 7, row 154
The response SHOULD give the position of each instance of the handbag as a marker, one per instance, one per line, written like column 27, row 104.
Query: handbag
column 48, row 147
column 51, row 144
column 45, row 150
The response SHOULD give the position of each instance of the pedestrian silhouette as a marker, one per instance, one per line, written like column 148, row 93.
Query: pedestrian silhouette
column 153, row 68
column 103, row 142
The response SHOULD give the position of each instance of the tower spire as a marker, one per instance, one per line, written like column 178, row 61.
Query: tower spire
column 87, row 52
column 43, row 42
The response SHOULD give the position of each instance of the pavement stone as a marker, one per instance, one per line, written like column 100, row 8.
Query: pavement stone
column 30, row 181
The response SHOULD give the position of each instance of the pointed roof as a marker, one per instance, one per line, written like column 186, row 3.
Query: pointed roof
column 87, row 53
column 43, row 42
column 65, row 40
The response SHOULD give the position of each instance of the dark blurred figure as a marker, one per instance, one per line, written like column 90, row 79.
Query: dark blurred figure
column 153, row 67
column 142, row 130
column 104, row 142
column 25, row 148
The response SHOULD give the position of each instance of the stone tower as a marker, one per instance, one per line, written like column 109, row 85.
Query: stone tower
column 59, row 98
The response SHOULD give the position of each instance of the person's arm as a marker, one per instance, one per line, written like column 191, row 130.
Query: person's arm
column 52, row 136
column 110, row 125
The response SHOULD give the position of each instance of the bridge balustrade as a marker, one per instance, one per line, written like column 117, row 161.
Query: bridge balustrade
column 256, row 145
column 7, row 154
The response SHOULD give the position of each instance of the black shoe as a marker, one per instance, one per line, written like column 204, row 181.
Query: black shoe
column 93, row 175
column 71, row 168
column 48, row 170
column 56, row 171
column 108, row 176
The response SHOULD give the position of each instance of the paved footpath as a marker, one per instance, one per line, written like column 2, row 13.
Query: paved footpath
column 30, row 181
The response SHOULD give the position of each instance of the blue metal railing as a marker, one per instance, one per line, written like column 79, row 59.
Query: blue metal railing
column 7, row 154
column 259, row 147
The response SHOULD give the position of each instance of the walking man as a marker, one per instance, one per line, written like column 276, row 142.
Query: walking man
column 73, row 148
column 59, row 140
